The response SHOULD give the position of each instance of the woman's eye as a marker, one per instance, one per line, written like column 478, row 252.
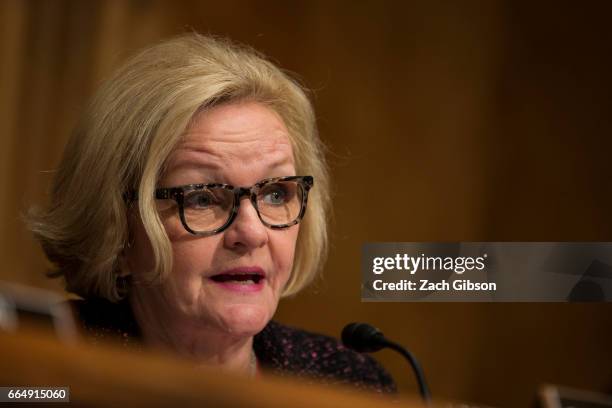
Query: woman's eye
column 200, row 200
column 275, row 195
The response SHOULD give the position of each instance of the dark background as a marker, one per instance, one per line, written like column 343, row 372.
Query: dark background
column 445, row 121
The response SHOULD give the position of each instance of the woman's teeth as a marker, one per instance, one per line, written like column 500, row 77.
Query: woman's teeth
column 240, row 279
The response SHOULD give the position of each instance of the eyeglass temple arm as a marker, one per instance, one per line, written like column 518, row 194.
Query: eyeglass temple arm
column 160, row 193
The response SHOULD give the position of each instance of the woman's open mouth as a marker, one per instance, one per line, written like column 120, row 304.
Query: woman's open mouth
column 242, row 279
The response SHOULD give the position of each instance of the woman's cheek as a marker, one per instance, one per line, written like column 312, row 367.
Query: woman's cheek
column 174, row 229
column 191, row 259
column 286, row 255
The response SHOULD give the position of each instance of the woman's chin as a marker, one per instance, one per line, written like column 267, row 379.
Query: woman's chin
column 244, row 320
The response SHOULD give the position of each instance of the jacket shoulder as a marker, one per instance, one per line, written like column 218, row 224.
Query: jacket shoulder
column 288, row 350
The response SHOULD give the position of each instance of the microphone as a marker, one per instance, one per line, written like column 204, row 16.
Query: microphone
column 365, row 338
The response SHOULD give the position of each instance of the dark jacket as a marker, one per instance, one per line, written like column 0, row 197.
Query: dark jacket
column 280, row 349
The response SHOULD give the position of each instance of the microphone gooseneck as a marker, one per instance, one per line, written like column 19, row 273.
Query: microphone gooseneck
column 365, row 338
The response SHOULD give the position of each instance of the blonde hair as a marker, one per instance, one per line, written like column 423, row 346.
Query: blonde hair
column 122, row 141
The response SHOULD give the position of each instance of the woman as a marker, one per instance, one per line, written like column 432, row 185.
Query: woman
column 178, row 212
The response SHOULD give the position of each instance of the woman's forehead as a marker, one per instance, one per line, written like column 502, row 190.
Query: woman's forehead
column 248, row 136
column 235, row 129
column 225, row 157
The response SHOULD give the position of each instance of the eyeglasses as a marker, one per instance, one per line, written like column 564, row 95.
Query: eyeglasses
column 208, row 209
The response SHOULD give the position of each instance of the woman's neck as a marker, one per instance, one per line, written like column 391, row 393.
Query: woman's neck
column 198, row 344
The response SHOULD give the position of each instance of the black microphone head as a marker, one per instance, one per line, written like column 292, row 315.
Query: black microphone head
column 363, row 337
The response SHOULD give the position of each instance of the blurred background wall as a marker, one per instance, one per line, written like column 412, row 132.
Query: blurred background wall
column 446, row 121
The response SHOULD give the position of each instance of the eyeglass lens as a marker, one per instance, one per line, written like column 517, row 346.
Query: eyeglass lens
column 208, row 209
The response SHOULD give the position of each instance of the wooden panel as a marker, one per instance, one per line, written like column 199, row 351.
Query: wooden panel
column 105, row 376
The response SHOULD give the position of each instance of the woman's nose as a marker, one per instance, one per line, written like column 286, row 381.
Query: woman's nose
column 246, row 231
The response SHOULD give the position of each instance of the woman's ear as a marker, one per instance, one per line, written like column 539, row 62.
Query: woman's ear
column 136, row 257
column 123, row 273
column 124, row 268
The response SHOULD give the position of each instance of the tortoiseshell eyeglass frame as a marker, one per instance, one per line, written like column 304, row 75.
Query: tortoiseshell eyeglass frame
column 178, row 194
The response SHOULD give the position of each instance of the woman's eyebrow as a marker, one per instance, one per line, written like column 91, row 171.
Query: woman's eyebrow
column 206, row 172
column 195, row 164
